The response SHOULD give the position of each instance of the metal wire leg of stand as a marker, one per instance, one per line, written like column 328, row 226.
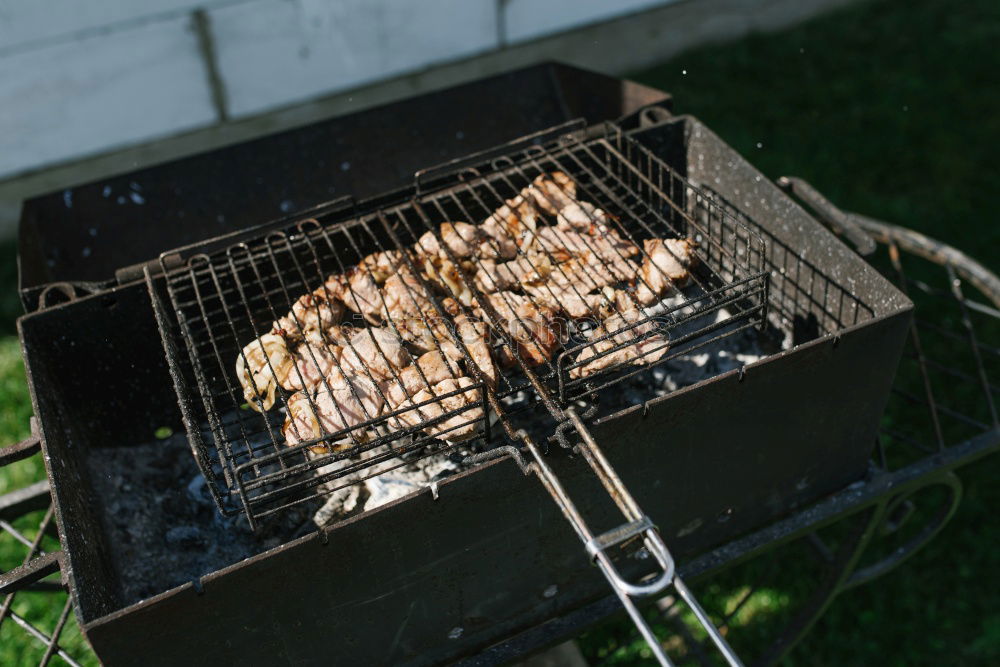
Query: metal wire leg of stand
column 638, row 525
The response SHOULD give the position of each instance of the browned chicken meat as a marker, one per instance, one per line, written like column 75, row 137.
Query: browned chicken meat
column 404, row 294
column 376, row 351
column 361, row 294
column 647, row 348
column 351, row 402
column 515, row 221
column 572, row 300
column 493, row 277
column 460, row 426
column 316, row 310
column 583, row 217
column 383, row 264
column 428, row 370
column 461, row 238
column 563, row 244
column 551, row 192
column 533, row 326
column 442, row 271
column 312, row 364
column 261, row 366
column 667, row 264
column 473, row 336
column 334, row 336
column 589, row 273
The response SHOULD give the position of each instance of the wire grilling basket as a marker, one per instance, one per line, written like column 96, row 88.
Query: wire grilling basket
column 600, row 261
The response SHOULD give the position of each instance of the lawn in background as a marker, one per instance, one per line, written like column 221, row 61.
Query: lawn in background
column 890, row 109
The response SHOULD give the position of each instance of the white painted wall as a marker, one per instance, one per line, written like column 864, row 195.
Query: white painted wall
column 530, row 19
column 89, row 95
column 82, row 77
column 273, row 53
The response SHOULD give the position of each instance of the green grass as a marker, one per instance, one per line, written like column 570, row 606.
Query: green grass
column 890, row 109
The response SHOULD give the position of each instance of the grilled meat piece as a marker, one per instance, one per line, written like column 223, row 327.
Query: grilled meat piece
column 261, row 366
column 310, row 416
column 647, row 348
column 493, row 277
column 583, row 217
column 428, row 370
column 312, row 364
column 374, row 350
column 563, row 244
column 473, row 335
column 666, row 264
column 315, row 310
column 512, row 223
column 588, row 273
column 361, row 294
column 551, row 192
column 383, row 264
column 533, row 326
column 574, row 302
column 404, row 295
column 495, row 243
column 334, row 336
column 459, row 427
column 461, row 238
column 442, row 271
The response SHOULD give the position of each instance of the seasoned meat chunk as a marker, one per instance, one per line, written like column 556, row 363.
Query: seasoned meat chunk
column 533, row 326
column 351, row 402
column 648, row 347
column 493, row 277
column 429, row 369
column 315, row 310
column 404, row 295
column 312, row 364
column 362, row 294
column 261, row 366
column 581, row 216
column 374, row 350
column 551, row 192
column 383, row 264
column 461, row 238
column 666, row 265
column 460, row 426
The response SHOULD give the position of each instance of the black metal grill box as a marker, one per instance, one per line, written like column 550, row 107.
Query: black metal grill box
column 424, row 579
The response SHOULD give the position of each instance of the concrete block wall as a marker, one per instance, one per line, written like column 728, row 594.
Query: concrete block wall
column 83, row 78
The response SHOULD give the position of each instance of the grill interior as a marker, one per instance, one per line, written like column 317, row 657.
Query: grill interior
column 219, row 301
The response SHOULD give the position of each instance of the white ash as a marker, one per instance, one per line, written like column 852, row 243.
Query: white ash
column 386, row 481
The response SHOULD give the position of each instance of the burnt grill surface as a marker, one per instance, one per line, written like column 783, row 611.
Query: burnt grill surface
column 222, row 299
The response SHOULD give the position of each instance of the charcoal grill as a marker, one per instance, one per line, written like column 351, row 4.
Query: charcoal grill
column 723, row 471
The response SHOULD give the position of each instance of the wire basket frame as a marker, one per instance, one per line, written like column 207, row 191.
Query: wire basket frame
column 224, row 301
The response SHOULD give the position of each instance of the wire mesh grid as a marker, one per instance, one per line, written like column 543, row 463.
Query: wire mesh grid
column 551, row 322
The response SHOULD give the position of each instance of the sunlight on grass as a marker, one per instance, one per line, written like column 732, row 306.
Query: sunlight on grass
column 42, row 609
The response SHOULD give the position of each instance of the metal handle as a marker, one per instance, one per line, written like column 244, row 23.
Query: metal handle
column 638, row 524
column 828, row 212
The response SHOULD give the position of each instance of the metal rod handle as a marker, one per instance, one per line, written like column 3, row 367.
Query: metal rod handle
column 638, row 524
